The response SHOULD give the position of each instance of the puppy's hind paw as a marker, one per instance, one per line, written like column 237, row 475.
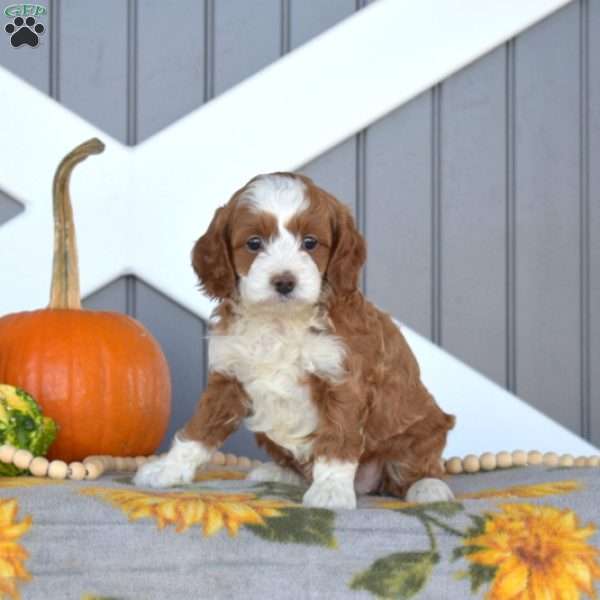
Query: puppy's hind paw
column 273, row 472
column 330, row 494
column 429, row 490
column 163, row 473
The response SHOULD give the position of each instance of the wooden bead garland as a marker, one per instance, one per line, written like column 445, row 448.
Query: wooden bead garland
column 489, row 461
column 93, row 467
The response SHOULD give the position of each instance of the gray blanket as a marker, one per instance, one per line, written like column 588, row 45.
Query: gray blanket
column 518, row 533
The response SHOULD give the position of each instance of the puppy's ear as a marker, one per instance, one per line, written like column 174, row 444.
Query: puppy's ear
column 211, row 258
column 348, row 251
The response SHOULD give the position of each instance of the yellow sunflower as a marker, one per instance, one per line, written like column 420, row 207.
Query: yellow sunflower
column 184, row 509
column 12, row 554
column 21, row 482
column 219, row 475
column 536, row 490
column 539, row 552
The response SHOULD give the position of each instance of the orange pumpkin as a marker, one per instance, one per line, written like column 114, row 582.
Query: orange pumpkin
column 100, row 375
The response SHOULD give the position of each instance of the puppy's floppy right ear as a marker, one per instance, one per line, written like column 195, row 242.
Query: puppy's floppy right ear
column 211, row 258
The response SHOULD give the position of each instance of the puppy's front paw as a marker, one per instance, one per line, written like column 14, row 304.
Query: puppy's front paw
column 429, row 490
column 164, row 473
column 273, row 472
column 176, row 467
column 330, row 493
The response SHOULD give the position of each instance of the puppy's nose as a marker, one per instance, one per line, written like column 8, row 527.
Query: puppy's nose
column 284, row 283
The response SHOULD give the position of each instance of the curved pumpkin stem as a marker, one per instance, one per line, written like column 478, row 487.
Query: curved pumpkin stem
column 64, row 291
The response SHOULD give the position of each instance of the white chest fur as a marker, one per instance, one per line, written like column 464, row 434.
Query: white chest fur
column 271, row 355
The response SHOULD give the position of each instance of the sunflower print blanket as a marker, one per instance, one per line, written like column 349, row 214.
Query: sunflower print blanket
column 529, row 534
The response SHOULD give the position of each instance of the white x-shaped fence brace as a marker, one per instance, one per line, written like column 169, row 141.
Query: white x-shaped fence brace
column 139, row 210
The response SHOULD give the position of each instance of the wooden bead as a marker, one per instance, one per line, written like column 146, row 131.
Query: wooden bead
column 76, row 471
column 93, row 468
column 119, row 464
column 504, row 460
column 244, row 462
column 256, row 463
column 581, row 461
column 230, row 460
column 91, row 457
column 58, row 469
column 6, row 453
column 550, row 459
column 130, row 464
column 566, row 460
column 140, row 460
column 108, row 462
column 218, row 458
column 39, row 466
column 22, row 459
column 593, row 461
column 488, row 461
column 454, row 466
column 471, row 463
column 535, row 458
column 519, row 458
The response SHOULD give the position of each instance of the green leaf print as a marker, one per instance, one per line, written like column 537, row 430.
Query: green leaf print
column 313, row 526
column 479, row 575
column 444, row 509
column 401, row 575
column 285, row 491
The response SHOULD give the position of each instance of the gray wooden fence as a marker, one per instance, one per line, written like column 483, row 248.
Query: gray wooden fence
column 480, row 199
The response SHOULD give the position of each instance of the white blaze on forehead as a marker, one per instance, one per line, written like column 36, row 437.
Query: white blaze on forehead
column 280, row 195
column 283, row 197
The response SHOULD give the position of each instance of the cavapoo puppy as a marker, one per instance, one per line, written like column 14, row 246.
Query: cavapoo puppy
column 325, row 379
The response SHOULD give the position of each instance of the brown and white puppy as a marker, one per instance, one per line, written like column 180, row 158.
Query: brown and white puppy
column 324, row 378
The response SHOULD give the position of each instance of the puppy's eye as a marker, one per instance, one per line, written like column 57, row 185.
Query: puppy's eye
column 254, row 244
column 309, row 242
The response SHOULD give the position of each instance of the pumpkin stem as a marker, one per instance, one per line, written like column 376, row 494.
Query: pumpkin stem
column 64, row 291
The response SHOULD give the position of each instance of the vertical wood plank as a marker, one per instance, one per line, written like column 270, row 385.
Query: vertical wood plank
column 243, row 443
column 547, row 217
column 247, row 37
column 473, row 215
column 9, row 207
column 181, row 336
column 94, row 62
column 170, row 68
column 243, row 37
column 335, row 171
column 398, row 213
column 111, row 297
column 436, row 214
column 309, row 19
column 511, row 221
column 594, row 216
column 31, row 64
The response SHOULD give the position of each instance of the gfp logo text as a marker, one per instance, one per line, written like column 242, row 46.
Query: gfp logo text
column 25, row 10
